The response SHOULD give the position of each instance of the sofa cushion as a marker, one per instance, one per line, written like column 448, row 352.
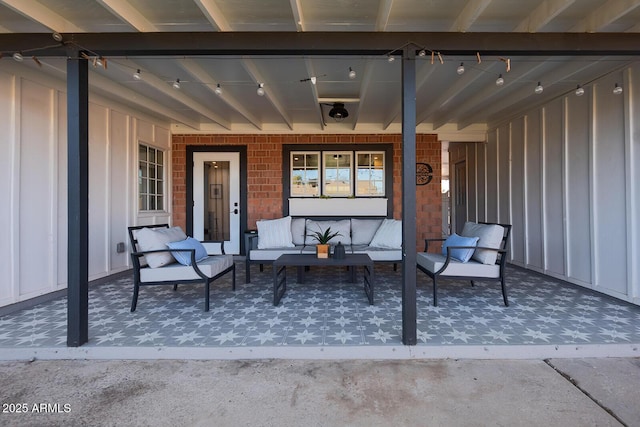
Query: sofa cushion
column 272, row 254
column 490, row 236
column 378, row 254
column 462, row 255
column 434, row 262
column 297, row 230
column 152, row 239
column 184, row 258
column 342, row 226
column 275, row 233
column 388, row 235
column 363, row 230
column 210, row 266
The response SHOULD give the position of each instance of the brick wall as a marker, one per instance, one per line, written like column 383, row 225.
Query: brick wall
column 264, row 174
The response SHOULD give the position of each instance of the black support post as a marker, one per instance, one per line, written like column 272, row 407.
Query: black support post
column 78, row 201
column 409, row 304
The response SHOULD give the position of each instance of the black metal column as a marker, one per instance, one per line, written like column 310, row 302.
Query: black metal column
column 409, row 304
column 78, row 201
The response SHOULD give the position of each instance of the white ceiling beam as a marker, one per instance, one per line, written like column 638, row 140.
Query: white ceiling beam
column 296, row 9
column 470, row 13
column 43, row 15
column 129, row 14
column 605, row 15
column 269, row 94
column 462, row 83
column 314, row 92
column 384, row 11
column 205, row 78
column 164, row 87
column 542, row 15
column 213, row 13
column 423, row 76
column 365, row 84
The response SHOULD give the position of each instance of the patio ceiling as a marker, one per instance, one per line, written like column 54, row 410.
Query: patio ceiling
column 292, row 102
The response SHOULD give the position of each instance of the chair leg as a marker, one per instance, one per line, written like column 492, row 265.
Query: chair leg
column 435, row 293
column 247, row 272
column 175, row 287
column 504, row 292
column 134, row 300
column 472, row 283
column 233, row 280
column 206, row 295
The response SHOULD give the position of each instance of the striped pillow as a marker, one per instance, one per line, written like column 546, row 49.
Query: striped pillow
column 275, row 233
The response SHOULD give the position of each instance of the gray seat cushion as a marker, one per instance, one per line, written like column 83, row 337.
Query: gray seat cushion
column 434, row 262
column 210, row 266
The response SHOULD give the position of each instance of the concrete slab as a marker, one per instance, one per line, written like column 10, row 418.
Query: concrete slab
column 293, row 393
column 613, row 383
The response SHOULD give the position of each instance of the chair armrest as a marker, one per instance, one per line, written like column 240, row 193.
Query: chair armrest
column 208, row 243
column 252, row 240
column 426, row 242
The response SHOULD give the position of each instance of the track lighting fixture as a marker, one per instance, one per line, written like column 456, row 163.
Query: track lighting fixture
column 57, row 36
column 137, row 75
column 260, row 90
column 218, row 90
column 499, row 80
column 538, row 90
column 617, row 90
column 18, row 56
column 352, row 73
column 176, row 84
column 460, row 69
column 579, row 91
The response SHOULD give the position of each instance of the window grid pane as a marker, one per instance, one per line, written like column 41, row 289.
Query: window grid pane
column 150, row 179
column 370, row 174
column 304, row 174
column 337, row 174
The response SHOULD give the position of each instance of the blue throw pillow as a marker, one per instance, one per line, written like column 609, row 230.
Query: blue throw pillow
column 463, row 255
column 184, row 258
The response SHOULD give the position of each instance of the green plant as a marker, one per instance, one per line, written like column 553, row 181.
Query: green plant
column 324, row 237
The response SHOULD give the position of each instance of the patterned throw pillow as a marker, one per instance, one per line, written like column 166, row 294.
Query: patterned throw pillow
column 275, row 233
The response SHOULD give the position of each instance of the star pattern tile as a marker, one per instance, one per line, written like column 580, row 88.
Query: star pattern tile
column 327, row 311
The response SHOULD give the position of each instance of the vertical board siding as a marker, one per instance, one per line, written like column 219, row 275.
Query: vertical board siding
column 610, row 237
column 517, row 192
column 533, row 191
column 8, row 147
column 553, row 189
column 98, row 190
column 119, row 147
column 504, row 186
column 472, row 191
column 492, row 177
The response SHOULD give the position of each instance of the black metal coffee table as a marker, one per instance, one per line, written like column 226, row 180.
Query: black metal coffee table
column 303, row 260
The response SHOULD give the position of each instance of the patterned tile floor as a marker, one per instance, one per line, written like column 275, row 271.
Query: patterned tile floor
column 329, row 311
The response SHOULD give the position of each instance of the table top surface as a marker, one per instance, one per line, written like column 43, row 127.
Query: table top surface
column 312, row 259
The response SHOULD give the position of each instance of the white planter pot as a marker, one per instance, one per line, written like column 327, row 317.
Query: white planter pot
column 336, row 206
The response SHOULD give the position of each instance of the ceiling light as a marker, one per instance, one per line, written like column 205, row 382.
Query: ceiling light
column 18, row 56
column 391, row 58
column 218, row 89
column 538, row 90
column 499, row 80
column 460, row 69
column 422, row 53
column 579, row 91
column 57, row 36
column 617, row 90
column 338, row 112
column 260, row 90
column 314, row 80
column 98, row 62
column 352, row 74
column 137, row 75
column 176, row 84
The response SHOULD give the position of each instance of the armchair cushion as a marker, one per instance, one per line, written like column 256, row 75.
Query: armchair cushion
column 184, row 258
column 462, row 255
column 389, row 235
column 489, row 236
column 275, row 233
column 434, row 262
column 155, row 239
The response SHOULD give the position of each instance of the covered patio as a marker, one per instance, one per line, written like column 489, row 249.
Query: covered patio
column 329, row 317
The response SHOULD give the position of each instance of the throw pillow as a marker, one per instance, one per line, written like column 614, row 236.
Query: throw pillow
column 152, row 239
column 489, row 236
column 363, row 230
column 184, row 258
column 275, row 233
column 389, row 235
column 297, row 230
column 463, row 255
column 342, row 226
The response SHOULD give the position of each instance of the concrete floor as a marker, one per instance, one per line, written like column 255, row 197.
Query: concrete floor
column 555, row 392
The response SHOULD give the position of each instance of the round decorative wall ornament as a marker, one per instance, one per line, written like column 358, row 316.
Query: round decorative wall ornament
column 424, row 173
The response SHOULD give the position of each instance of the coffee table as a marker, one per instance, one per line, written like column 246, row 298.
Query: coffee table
column 303, row 260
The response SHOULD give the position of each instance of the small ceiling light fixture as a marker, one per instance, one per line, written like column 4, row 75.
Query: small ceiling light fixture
column 57, row 36
column 460, row 69
column 422, row 53
column 617, row 90
column 218, row 90
column 579, row 91
column 260, row 90
column 18, row 56
column 538, row 90
column 338, row 112
column 98, row 62
column 176, row 84
column 137, row 75
column 314, row 80
column 499, row 80
column 352, row 73
column 391, row 58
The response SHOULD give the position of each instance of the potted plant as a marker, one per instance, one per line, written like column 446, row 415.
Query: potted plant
column 322, row 248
